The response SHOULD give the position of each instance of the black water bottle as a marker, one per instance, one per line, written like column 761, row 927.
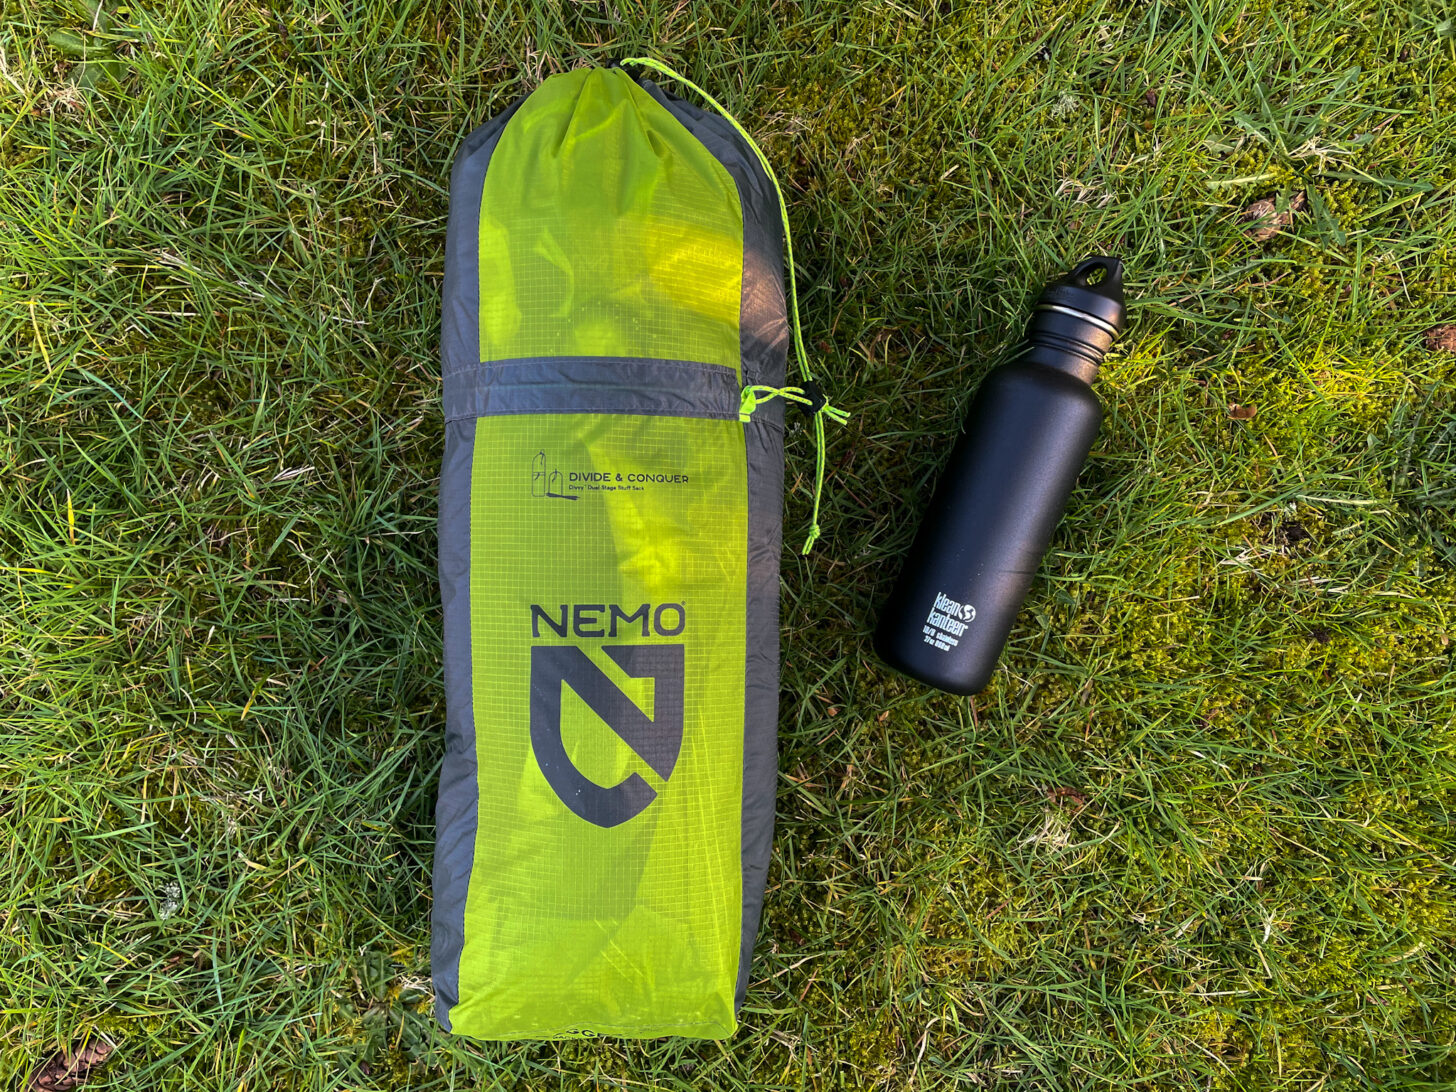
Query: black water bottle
column 1026, row 436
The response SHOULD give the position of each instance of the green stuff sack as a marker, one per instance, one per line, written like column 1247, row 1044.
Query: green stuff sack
column 610, row 523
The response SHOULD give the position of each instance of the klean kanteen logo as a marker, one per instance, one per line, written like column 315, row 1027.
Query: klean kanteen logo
column 544, row 482
column 657, row 739
column 947, row 622
column 960, row 612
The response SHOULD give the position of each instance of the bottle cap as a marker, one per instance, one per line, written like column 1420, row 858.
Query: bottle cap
column 1093, row 290
column 1077, row 318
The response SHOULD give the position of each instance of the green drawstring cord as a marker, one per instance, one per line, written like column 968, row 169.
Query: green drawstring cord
column 755, row 395
column 791, row 394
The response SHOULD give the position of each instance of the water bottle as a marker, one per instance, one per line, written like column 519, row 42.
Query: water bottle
column 1026, row 436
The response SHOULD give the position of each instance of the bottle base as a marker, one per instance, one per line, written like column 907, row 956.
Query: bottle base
column 962, row 686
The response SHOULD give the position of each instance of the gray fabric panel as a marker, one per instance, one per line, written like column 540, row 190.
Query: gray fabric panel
column 765, row 445
column 660, row 388
column 460, row 314
column 456, row 808
column 764, row 337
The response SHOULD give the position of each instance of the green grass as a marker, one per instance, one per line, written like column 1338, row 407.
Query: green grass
column 1197, row 834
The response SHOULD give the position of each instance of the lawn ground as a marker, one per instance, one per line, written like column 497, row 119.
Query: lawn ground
column 1196, row 835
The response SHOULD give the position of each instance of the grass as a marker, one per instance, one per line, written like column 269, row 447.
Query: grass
column 1196, row 835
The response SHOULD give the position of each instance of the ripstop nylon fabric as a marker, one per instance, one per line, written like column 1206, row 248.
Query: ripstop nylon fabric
column 609, row 543
column 607, row 230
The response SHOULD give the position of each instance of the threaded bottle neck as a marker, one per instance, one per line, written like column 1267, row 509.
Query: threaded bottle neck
column 1063, row 359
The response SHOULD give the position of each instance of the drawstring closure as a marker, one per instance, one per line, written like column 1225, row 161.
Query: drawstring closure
column 808, row 396
column 756, row 395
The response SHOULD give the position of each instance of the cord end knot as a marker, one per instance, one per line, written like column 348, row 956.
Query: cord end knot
column 809, row 542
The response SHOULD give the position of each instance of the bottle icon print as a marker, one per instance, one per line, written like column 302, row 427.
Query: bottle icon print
column 555, row 488
column 538, row 475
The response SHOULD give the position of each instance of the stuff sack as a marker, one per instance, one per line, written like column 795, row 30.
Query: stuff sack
column 609, row 556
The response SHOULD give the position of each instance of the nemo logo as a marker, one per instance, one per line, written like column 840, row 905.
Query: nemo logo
column 657, row 740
